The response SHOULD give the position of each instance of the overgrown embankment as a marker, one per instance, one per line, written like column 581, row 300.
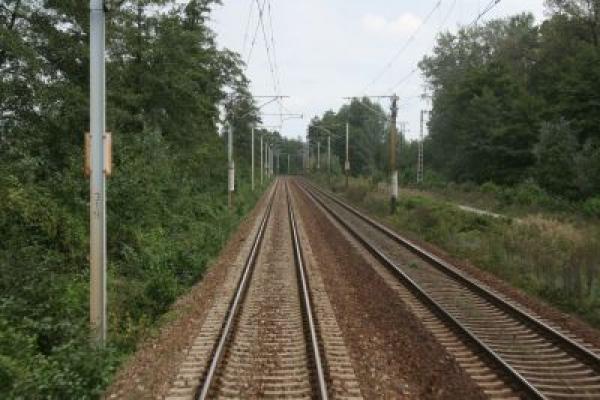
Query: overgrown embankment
column 167, row 82
column 553, row 259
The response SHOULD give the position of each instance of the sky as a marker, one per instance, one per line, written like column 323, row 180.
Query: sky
column 325, row 50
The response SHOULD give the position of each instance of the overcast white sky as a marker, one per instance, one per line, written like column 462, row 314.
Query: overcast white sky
column 329, row 49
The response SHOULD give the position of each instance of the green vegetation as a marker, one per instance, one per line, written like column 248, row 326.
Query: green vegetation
column 514, row 103
column 554, row 260
column 167, row 214
column 514, row 129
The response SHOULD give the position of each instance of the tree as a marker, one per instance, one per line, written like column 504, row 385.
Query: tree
column 555, row 153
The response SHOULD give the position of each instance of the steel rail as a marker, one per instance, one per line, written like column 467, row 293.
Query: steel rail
column 434, row 306
column 234, row 307
column 574, row 348
column 307, row 301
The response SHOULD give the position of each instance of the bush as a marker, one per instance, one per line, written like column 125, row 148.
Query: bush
column 591, row 207
column 490, row 187
column 529, row 193
column 74, row 370
column 160, row 290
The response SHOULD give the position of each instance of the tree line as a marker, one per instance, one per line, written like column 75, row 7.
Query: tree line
column 170, row 91
column 513, row 101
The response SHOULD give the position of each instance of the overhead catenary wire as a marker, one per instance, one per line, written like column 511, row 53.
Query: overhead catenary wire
column 247, row 30
column 403, row 48
column 273, row 48
column 270, row 47
column 253, row 43
column 412, row 72
column 267, row 47
column 486, row 9
column 275, row 63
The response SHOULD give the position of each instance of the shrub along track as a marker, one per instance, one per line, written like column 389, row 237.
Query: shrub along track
column 503, row 347
column 271, row 341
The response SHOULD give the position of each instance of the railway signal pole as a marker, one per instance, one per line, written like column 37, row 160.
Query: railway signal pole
column 98, row 323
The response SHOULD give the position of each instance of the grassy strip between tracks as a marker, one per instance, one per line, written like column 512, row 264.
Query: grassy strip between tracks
column 555, row 260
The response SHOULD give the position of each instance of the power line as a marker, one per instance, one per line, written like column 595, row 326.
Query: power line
column 450, row 10
column 262, row 25
column 255, row 34
column 273, row 43
column 247, row 30
column 487, row 9
column 404, row 79
column 274, row 55
column 404, row 46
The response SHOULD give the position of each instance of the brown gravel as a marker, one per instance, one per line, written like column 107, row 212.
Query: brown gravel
column 148, row 372
column 394, row 355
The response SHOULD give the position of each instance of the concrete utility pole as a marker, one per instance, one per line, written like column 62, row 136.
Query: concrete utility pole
column 420, row 155
column 308, row 151
column 252, row 161
column 230, row 166
column 266, row 166
column 261, row 158
column 329, row 133
column 252, row 168
column 267, row 159
column 392, row 144
column 329, row 154
column 318, row 154
column 347, row 163
column 305, row 157
column 98, row 178
column 392, row 154
column 420, row 168
column 271, row 161
column 269, row 150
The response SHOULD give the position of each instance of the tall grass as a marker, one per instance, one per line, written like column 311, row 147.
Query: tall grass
column 554, row 260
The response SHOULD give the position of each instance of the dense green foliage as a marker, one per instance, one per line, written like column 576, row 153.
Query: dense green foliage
column 514, row 101
column 167, row 214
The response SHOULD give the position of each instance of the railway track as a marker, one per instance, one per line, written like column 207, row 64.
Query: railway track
column 269, row 346
column 509, row 351
column 277, row 335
